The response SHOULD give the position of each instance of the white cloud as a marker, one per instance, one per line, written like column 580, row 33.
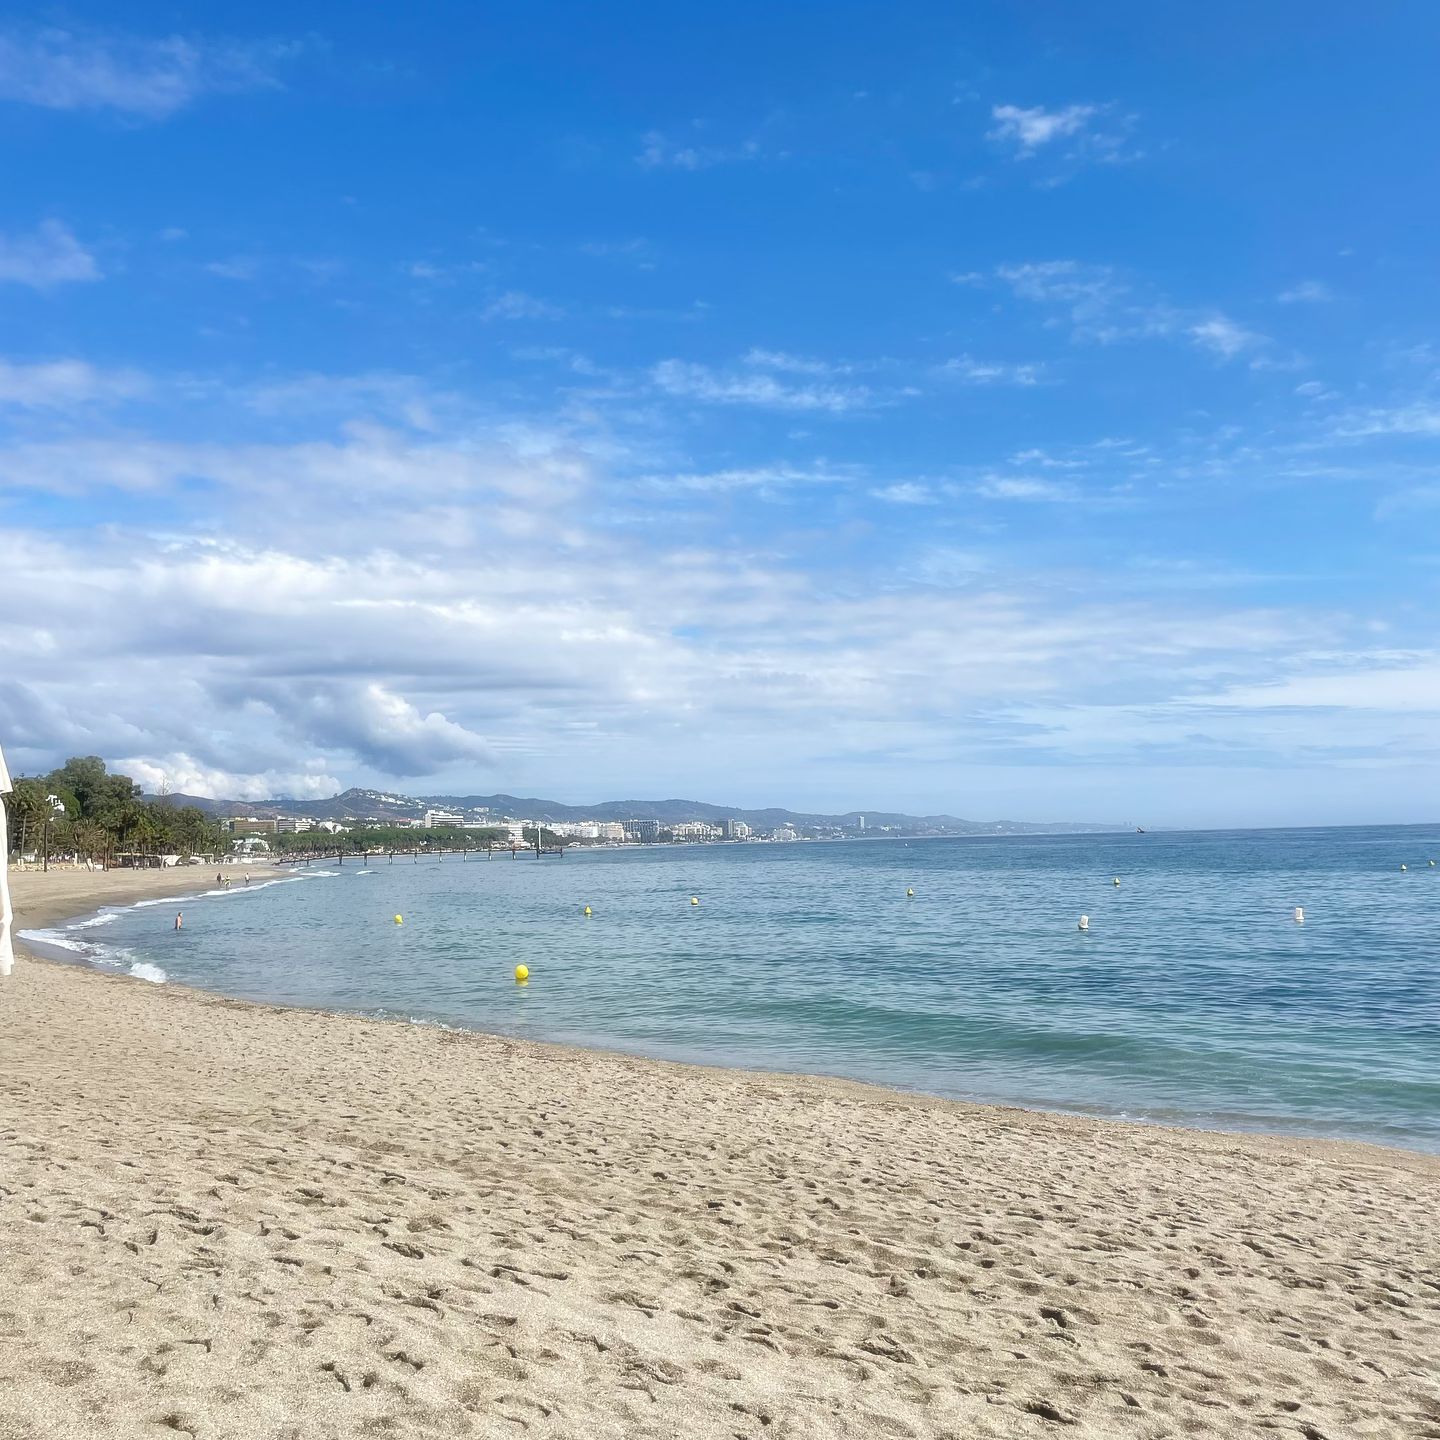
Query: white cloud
column 47, row 256
column 372, row 464
column 763, row 479
column 794, row 364
column 1411, row 688
column 516, row 305
column 1307, row 292
column 970, row 371
column 1105, row 309
column 1044, row 459
column 372, row 721
column 1074, row 136
column 61, row 384
column 1030, row 128
column 182, row 774
column 237, row 267
column 905, row 492
column 1421, row 418
column 1016, row 487
column 511, row 597
column 73, row 70
column 1224, row 338
column 691, row 381
column 1087, row 289
column 438, row 273
column 660, row 152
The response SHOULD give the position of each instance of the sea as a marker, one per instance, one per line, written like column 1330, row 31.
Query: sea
column 1194, row 996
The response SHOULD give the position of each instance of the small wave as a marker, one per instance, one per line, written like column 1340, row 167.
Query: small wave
column 103, row 918
column 144, row 970
column 107, row 957
column 216, row 894
column 58, row 938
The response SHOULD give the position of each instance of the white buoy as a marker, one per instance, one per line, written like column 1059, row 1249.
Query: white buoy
column 1117, row 882
column 1404, row 867
column 1084, row 922
column 1299, row 914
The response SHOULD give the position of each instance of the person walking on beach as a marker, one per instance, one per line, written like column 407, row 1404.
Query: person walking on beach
column 247, row 877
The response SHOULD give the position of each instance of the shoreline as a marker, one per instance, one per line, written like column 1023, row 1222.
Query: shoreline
column 66, row 904
column 43, row 900
column 230, row 1218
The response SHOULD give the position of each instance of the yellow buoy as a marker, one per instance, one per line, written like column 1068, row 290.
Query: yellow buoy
column 522, row 973
column 1117, row 882
column 694, row 899
column 909, row 892
column 587, row 909
column 399, row 919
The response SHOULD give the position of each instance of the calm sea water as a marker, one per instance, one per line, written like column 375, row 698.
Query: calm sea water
column 1194, row 998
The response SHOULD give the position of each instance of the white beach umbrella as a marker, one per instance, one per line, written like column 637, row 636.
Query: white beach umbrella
column 7, row 953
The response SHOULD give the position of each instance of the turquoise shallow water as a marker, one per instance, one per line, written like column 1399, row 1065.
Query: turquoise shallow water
column 1194, row 998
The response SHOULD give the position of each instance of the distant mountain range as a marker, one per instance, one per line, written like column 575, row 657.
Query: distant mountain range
column 358, row 804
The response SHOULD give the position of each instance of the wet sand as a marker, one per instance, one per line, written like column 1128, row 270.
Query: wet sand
column 232, row 1220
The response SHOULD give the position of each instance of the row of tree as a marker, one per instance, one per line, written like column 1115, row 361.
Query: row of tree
column 367, row 839
column 83, row 810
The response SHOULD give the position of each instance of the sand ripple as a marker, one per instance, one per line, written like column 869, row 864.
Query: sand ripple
column 220, row 1220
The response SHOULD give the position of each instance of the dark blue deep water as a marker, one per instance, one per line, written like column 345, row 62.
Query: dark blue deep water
column 1194, row 998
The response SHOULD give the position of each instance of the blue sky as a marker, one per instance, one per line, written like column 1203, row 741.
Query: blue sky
column 1007, row 410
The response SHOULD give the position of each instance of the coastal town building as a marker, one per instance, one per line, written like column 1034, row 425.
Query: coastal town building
column 252, row 825
column 292, row 825
column 442, row 817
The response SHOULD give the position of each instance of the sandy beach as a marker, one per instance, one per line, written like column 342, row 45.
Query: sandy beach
column 231, row 1220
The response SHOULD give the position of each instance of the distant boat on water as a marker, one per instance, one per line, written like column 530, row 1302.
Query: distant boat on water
column 1139, row 829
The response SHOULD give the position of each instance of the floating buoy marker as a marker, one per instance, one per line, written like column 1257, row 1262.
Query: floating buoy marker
column 522, row 973
column 399, row 919
column 587, row 909
column 910, row 893
column 1404, row 867
column 694, row 899
column 1084, row 922
column 1117, row 882
column 1299, row 914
